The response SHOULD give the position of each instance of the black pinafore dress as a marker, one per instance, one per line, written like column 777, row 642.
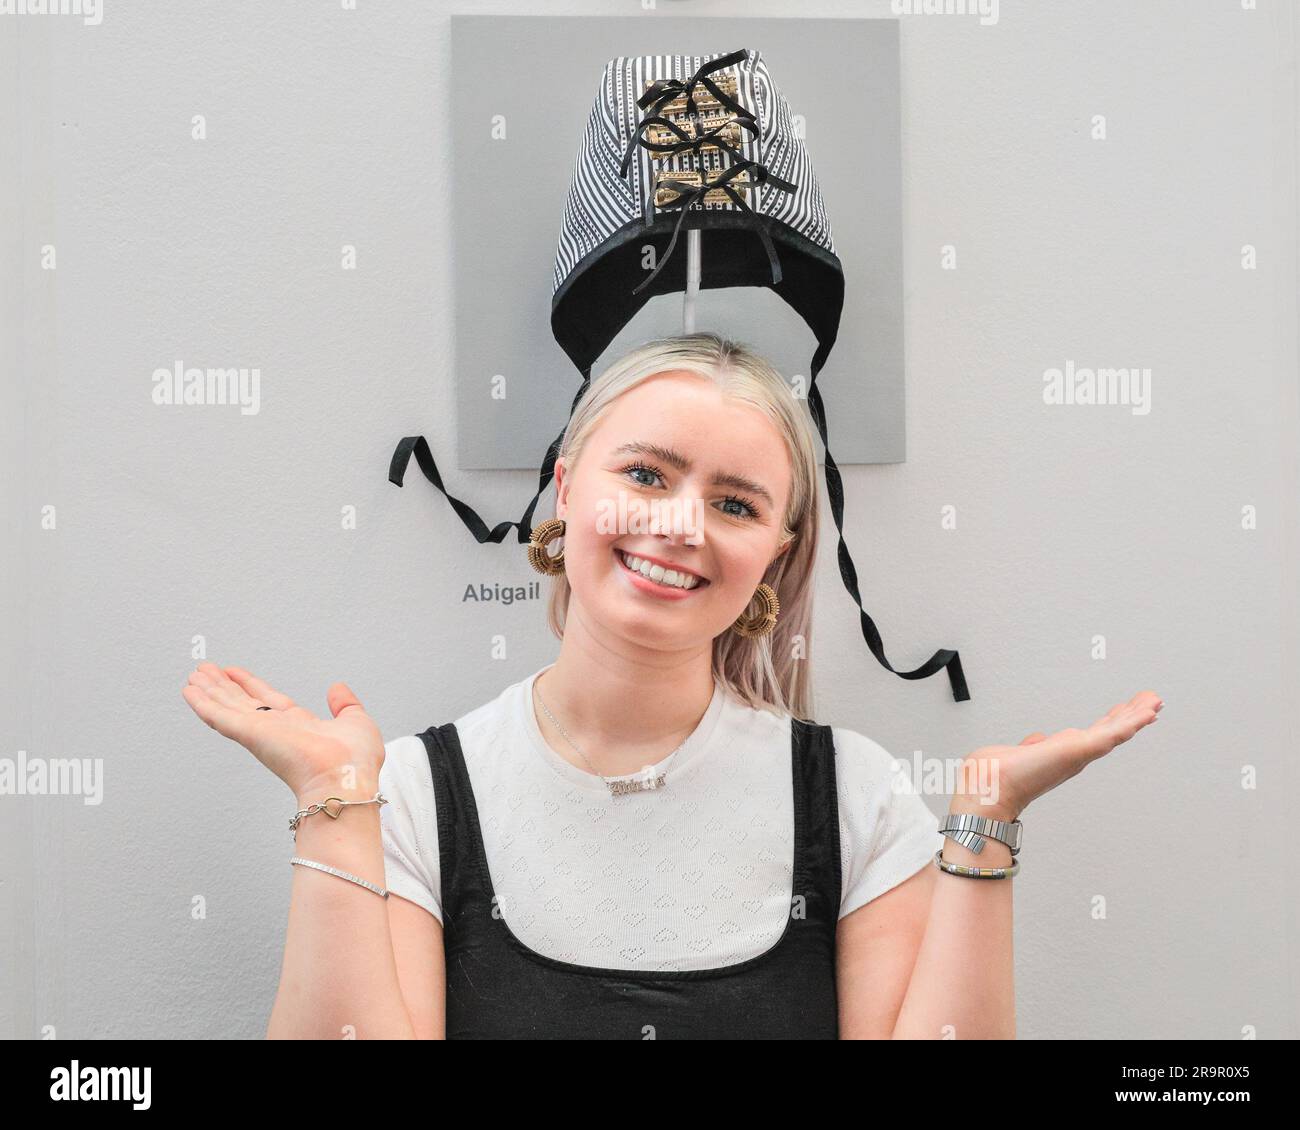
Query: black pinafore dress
column 499, row 988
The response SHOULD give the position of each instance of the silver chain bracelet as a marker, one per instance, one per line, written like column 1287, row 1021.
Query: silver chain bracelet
column 332, row 807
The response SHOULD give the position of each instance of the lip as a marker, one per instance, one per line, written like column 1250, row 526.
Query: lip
column 666, row 564
column 654, row 588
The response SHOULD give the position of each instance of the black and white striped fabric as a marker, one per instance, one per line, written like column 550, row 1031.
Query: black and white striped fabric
column 601, row 201
column 690, row 141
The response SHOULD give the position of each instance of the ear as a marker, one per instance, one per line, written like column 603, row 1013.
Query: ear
column 785, row 546
column 561, row 487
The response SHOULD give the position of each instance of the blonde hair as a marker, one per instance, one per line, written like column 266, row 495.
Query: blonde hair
column 772, row 672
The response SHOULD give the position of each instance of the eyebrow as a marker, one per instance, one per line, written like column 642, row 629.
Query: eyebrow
column 678, row 460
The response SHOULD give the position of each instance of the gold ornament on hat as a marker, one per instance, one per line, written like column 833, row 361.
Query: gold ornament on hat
column 542, row 535
column 763, row 621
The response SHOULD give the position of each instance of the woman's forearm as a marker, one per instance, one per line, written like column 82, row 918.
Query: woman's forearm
column 339, row 975
column 963, row 984
column 963, row 981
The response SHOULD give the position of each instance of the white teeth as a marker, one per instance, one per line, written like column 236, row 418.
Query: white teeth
column 659, row 573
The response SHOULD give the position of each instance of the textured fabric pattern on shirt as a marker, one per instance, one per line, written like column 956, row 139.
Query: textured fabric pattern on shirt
column 697, row 878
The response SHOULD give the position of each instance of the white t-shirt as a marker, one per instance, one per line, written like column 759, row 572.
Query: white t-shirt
column 694, row 875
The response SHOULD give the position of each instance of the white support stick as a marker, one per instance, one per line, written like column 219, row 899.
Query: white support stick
column 692, row 279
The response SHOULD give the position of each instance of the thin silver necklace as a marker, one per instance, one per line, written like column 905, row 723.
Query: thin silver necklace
column 642, row 782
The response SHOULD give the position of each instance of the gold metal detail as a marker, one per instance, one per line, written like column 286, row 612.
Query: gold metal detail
column 662, row 135
column 665, row 195
column 703, row 97
column 764, row 620
column 542, row 535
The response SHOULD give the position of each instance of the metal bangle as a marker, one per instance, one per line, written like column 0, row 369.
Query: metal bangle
column 341, row 874
column 971, row 830
column 971, row 840
column 975, row 872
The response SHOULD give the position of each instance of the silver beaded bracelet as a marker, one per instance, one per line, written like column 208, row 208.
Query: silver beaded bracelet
column 341, row 874
column 975, row 872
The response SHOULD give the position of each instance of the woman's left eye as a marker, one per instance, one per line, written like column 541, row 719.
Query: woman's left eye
column 750, row 512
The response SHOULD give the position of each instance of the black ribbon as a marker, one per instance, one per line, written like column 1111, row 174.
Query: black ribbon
column 654, row 99
column 944, row 657
column 665, row 90
column 419, row 447
column 686, row 140
column 688, row 194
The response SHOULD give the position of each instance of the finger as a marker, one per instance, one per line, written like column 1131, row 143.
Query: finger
column 1103, row 736
column 226, row 721
column 1140, row 702
column 259, row 689
column 1074, row 744
column 222, row 688
column 1141, row 710
column 1131, row 721
column 1117, row 709
column 1034, row 738
column 1145, row 700
column 341, row 698
column 213, row 672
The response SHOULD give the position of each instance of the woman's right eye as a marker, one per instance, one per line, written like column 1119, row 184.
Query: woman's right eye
column 641, row 467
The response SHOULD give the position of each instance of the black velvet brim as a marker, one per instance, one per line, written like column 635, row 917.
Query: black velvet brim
column 596, row 301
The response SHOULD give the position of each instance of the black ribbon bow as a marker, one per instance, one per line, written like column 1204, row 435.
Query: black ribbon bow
column 654, row 99
column 688, row 194
column 666, row 89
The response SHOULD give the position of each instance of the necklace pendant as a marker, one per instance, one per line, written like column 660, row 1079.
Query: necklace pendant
column 637, row 785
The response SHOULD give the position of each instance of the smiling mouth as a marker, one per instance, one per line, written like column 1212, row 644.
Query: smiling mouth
column 674, row 580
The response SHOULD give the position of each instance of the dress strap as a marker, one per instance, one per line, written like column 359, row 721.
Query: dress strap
column 454, row 805
column 816, row 819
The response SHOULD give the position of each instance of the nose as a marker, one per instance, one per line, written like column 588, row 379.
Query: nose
column 679, row 520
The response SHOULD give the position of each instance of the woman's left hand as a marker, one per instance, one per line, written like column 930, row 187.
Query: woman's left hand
column 1012, row 776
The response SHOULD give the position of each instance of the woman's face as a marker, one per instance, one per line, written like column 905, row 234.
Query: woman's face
column 679, row 475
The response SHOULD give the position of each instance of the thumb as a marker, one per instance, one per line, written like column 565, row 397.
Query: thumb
column 1034, row 738
column 340, row 698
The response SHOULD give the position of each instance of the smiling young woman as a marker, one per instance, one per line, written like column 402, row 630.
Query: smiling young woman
column 649, row 837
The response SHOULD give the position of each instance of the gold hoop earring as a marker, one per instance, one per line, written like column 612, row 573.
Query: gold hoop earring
column 540, row 538
column 763, row 621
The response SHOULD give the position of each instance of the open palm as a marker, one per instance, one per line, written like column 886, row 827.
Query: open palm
column 288, row 739
column 1018, row 774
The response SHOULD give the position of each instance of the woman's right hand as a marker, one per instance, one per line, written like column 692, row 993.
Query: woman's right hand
column 302, row 750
